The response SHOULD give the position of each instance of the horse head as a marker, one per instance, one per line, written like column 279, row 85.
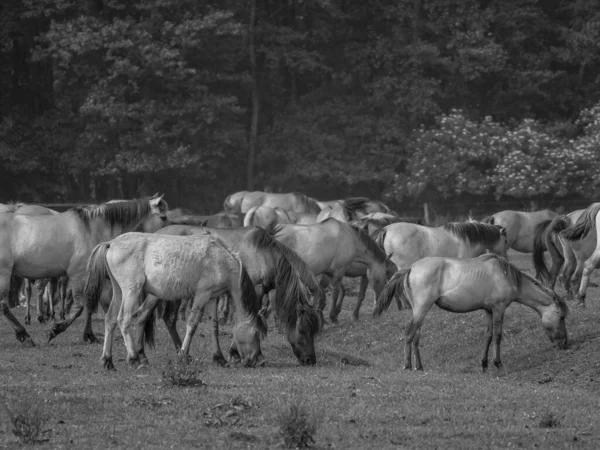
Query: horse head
column 553, row 321
column 302, row 336
column 157, row 217
column 245, row 347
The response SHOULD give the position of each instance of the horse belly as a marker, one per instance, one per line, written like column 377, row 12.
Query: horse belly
column 459, row 304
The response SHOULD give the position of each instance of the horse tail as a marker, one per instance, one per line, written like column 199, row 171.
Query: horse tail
column 488, row 219
column 398, row 287
column 539, row 246
column 584, row 224
column 98, row 271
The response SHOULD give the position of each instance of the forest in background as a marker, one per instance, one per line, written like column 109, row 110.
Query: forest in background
column 450, row 102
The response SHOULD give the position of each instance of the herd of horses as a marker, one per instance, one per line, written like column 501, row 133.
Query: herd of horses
column 277, row 253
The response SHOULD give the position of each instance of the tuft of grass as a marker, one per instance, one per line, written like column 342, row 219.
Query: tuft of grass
column 296, row 426
column 549, row 420
column 27, row 418
column 182, row 373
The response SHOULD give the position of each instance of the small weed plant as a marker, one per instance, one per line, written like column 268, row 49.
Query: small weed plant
column 182, row 373
column 27, row 418
column 549, row 420
column 296, row 426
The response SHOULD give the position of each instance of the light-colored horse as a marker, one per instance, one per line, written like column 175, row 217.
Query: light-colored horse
column 337, row 249
column 488, row 282
column 520, row 226
column 370, row 206
column 563, row 255
column 233, row 202
column 272, row 267
column 582, row 238
column 171, row 268
column 293, row 201
column 409, row 242
column 262, row 216
column 53, row 246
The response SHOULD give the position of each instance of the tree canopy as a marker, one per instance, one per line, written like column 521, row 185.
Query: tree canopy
column 411, row 99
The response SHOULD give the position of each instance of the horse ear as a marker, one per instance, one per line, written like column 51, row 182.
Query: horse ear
column 155, row 195
column 389, row 256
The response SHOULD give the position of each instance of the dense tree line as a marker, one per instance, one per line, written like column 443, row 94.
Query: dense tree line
column 409, row 99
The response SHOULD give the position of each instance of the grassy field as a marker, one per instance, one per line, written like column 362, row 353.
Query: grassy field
column 357, row 395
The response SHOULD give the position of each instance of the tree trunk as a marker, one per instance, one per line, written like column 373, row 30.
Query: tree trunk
column 255, row 100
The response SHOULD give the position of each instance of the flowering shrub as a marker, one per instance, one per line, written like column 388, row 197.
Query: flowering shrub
column 461, row 156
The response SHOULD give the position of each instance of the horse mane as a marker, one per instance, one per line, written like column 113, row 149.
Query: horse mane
column 294, row 280
column 475, row 232
column 369, row 242
column 516, row 277
column 308, row 200
column 354, row 205
column 385, row 221
column 584, row 224
column 378, row 235
column 123, row 213
column 12, row 206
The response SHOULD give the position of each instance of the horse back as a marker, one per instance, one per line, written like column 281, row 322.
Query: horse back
column 42, row 246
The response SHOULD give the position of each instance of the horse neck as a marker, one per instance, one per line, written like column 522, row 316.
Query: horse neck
column 103, row 231
column 471, row 250
column 533, row 296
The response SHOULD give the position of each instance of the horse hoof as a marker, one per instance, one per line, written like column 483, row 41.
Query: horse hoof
column 41, row 319
column 90, row 338
column 220, row 360
column 108, row 364
column 50, row 334
column 28, row 342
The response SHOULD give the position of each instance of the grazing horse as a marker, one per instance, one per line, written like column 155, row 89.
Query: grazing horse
column 488, row 282
column 520, row 226
column 563, row 255
column 233, row 202
column 294, row 201
column 53, row 246
column 262, row 216
column 409, row 242
column 583, row 239
column 270, row 266
column 171, row 268
column 220, row 220
column 337, row 249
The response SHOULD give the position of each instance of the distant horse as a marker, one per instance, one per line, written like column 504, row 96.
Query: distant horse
column 171, row 268
column 233, row 202
column 337, row 249
column 270, row 266
column 563, row 255
column 585, row 246
column 293, row 201
column 220, row 220
column 370, row 206
column 408, row 242
column 262, row 216
column 520, row 226
column 178, row 212
column 347, row 211
column 52, row 246
column 488, row 282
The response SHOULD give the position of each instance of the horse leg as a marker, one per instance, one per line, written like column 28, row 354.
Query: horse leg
column 62, row 293
column 52, row 289
column 415, row 347
column 77, row 284
column 194, row 319
column 487, row 341
column 142, row 315
column 224, row 301
column 323, row 282
column 169, row 316
column 183, row 308
column 27, row 289
column 40, row 287
column 590, row 265
column 338, row 291
column 110, row 323
column 497, row 337
column 20, row 332
column 413, row 334
column 362, row 292
column 130, row 299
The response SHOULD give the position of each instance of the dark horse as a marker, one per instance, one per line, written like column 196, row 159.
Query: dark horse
column 57, row 245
